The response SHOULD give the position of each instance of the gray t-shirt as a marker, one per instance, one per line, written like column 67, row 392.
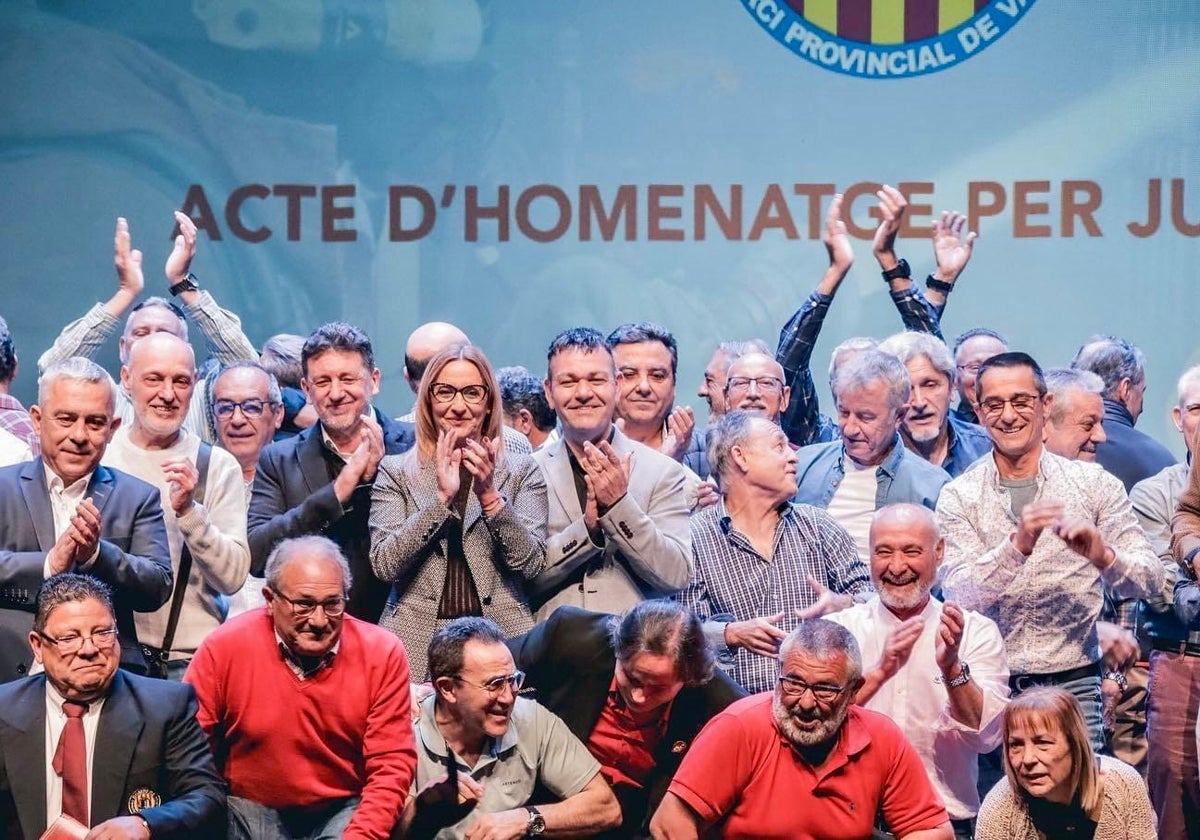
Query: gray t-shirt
column 1021, row 492
column 537, row 747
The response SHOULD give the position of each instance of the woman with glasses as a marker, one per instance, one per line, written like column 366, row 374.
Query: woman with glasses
column 1054, row 785
column 458, row 526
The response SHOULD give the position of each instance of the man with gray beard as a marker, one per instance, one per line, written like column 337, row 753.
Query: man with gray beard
column 941, row 674
column 807, row 745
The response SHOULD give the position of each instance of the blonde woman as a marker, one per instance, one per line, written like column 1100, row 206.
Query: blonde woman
column 457, row 524
column 1054, row 785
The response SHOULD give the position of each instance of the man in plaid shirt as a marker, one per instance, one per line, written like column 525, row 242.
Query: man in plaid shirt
column 13, row 416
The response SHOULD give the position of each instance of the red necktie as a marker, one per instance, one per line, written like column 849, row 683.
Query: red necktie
column 70, row 762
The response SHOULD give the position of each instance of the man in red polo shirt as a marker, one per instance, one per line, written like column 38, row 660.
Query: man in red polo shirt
column 801, row 763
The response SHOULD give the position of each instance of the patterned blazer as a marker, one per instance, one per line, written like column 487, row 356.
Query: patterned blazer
column 409, row 545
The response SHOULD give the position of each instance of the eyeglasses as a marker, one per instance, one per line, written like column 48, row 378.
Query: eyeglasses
column 471, row 394
column 303, row 608
column 495, row 685
column 972, row 368
column 250, row 408
column 1021, row 403
column 766, row 384
column 72, row 643
column 793, row 687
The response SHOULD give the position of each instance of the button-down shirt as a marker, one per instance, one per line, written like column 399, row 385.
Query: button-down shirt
column 63, row 501
column 1154, row 501
column 733, row 582
column 14, row 418
column 56, row 721
column 803, row 421
column 624, row 746
column 1046, row 604
column 917, row 699
column 968, row 443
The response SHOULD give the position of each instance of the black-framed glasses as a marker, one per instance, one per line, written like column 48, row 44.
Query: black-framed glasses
column 303, row 607
column 495, row 685
column 793, row 687
column 72, row 643
column 765, row 384
column 252, row 408
column 471, row 394
column 1021, row 403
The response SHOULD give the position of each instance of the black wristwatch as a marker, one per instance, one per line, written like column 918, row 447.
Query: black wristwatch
column 900, row 269
column 537, row 823
column 1189, row 562
column 187, row 284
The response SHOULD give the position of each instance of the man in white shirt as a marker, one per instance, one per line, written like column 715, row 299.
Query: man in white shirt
column 940, row 670
column 205, row 515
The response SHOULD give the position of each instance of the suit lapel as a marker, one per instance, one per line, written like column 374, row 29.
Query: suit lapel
column 37, row 500
column 560, row 481
column 312, row 459
column 116, row 738
column 23, row 744
column 100, row 487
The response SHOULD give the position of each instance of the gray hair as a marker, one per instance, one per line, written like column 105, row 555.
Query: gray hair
column 274, row 394
column 298, row 548
column 280, row 357
column 1059, row 380
column 666, row 628
column 825, row 640
column 1189, row 377
column 907, row 346
column 1113, row 359
column 868, row 366
column 76, row 369
column 733, row 429
column 69, row 588
column 734, row 350
column 445, row 654
column 846, row 348
column 977, row 332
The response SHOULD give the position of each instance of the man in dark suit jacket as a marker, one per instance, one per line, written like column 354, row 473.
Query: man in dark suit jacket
column 152, row 773
column 652, row 670
column 108, row 524
column 319, row 482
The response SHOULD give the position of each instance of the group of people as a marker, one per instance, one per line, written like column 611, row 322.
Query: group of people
column 242, row 601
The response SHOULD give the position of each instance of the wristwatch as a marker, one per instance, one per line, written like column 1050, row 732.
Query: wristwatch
column 1117, row 677
column 537, row 823
column 1189, row 562
column 963, row 678
column 900, row 269
column 187, row 284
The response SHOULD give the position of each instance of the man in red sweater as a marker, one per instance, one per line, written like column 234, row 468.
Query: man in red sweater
column 307, row 708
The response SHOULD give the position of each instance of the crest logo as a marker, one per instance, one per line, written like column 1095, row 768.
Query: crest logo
column 887, row 39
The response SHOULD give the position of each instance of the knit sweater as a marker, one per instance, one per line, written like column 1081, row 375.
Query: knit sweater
column 1125, row 814
column 214, row 531
column 290, row 743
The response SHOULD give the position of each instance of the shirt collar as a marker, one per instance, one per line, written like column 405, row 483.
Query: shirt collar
column 55, row 484
column 435, row 742
column 332, row 447
column 295, row 662
column 890, row 464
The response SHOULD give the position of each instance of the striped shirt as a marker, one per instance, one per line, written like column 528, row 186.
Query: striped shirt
column 733, row 582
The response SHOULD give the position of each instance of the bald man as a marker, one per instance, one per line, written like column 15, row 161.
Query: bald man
column 936, row 669
column 425, row 342
column 203, row 499
column 755, row 383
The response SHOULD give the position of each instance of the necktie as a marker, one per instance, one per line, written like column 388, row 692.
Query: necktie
column 70, row 762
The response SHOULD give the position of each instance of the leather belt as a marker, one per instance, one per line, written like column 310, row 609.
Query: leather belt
column 1021, row 682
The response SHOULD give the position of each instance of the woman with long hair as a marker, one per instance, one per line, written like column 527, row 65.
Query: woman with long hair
column 457, row 524
column 1054, row 785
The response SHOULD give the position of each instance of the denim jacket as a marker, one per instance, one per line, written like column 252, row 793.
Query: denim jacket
column 902, row 477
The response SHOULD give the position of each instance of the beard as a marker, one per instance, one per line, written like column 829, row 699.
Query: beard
column 830, row 722
column 904, row 597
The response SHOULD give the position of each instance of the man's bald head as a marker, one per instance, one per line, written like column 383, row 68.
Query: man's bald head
column 755, row 382
column 425, row 342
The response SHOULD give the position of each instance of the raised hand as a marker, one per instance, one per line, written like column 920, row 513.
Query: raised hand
column 1084, row 539
column 608, row 471
column 1035, row 517
column 479, row 458
column 949, row 637
column 180, row 258
column 680, row 423
column 837, row 239
column 951, row 249
column 447, row 458
column 181, row 475
column 899, row 645
column 892, row 207
column 128, row 262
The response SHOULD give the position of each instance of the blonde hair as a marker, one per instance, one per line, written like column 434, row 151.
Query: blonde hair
column 1055, row 710
column 427, row 430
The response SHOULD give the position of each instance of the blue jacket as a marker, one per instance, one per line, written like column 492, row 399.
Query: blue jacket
column 902, row 477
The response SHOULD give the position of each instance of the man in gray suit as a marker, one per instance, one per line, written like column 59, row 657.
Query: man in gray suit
column 63, row 512
column 618, row 527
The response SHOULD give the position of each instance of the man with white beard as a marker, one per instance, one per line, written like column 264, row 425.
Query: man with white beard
column 941, row 674
column 808, row 745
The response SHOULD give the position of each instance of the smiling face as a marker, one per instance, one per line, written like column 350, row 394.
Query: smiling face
column 159, row 378
column 476, row 708
column 1040, row 758
column 712, row 387
column 85, row 674
column 929, row 402
column 755, row 383
column 905, row 555
column 463, row 416
column 868, row 421
column 244, row 435
column 581, row 387
column 310, row 579
column 340, row 386
column 804, row 720
column 1015, row 430
column 147, row 321
column 646, row 385
column 1075, row 424
column 75, row 423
